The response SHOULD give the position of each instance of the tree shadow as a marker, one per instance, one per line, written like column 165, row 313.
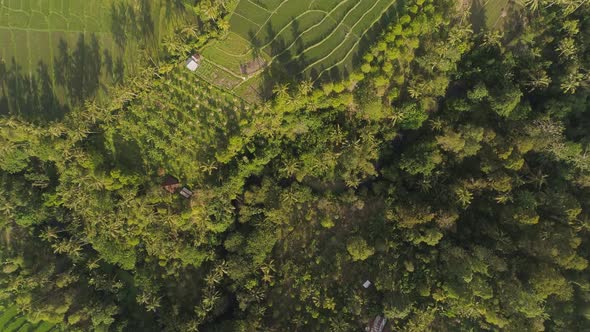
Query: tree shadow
column 127, row 154
column 287, row 65
column 48, row 91
column 255, row 44
column 146, row 23
column 174, row 6
column 515, row 23
column 30, row 97
column 478, row 16
column 118, row 23
column 79, row 71
column 127, row 22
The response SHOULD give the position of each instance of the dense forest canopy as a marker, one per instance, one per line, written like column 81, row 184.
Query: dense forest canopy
column 450, row 169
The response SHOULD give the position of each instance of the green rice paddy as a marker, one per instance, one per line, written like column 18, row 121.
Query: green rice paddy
column 60, row 52
column 12, row 321
column 317, row 39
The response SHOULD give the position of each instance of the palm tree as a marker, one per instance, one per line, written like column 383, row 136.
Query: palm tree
column 223, row 25
column 190, row 31
column 209, row 168
column 503, row 198
column 211, row 12
column 290, row 167
column 436, row 124
column 532, row 5
column 572, row 83
column 464, row 196
column 338, row 136
column 538, row 80
column 290, row 197
column 281, row 91
column 49, row 234
column 493, row 38
column 305, row 87
column 221, row 268
column 56, row 129
column 209, row 300
column 61, row 247
column 539, row 178
column 567, row 48
column 352, row 182
column 267, row 270
column 415, row 90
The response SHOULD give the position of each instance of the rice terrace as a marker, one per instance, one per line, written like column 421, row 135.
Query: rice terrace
column 314, row 39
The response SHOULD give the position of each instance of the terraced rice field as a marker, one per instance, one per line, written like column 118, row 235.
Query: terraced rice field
column 63, row 51
column 12, row 321
column 309, row 38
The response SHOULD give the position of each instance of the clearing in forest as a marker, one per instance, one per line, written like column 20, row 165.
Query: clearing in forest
column 493, row 14
column 317, row 39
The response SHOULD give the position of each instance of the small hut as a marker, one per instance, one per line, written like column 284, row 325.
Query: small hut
column 186, row 193
column 170, row 184
column 379, row 324
column 193, row 62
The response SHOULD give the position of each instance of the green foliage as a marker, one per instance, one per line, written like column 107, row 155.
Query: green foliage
column 449, row 169
column 358, row 248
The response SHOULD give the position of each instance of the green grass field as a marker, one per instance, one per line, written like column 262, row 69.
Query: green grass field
column 315, row 39
column 57, row 53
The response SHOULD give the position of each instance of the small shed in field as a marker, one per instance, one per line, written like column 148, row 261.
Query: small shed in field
column 378, row 324
column 186, row 193
column 193, row 62
column 170, row 184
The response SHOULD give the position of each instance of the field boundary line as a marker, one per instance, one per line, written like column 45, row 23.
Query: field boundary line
column 225, row 69
column 217, row 42
column 331, row 33
column 257, row 5
column 306, row 30
column 6, row 27
column 247, row 19
column 58, row 14
column 243, row 38
column 347, row 35
column 356, row 44
column 293, row 20
column 231, row 55
column 270, row 16
column 223, row 90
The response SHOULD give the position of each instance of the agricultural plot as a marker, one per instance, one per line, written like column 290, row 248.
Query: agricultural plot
column 57, row 53
column 182, row 126
column 11, row 321
column 306, row 38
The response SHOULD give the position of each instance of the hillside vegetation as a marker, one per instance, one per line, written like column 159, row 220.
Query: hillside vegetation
column 449, row 168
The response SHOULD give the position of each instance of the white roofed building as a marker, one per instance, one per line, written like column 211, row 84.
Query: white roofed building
column 193, row 62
